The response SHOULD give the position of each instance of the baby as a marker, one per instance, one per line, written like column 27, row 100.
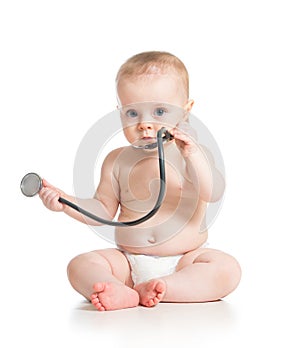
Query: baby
column 164, row 258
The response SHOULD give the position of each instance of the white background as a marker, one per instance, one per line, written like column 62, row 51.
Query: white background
column 58, row 64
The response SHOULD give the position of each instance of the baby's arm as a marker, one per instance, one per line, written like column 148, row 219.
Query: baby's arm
column 104, row 204
column 200, row 165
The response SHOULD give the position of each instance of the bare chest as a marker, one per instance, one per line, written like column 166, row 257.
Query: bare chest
column 140, row 184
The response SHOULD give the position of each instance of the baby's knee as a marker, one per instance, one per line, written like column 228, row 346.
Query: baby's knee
column 73, row 266
column 82, row 262
column 88, row 261
column 229, row 275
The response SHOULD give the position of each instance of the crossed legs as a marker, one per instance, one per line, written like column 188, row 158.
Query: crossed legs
column 103, row 277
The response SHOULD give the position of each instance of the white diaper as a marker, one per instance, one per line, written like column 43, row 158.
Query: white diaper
column 146, row 267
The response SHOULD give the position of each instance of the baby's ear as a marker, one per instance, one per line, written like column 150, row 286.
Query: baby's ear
column 189, row 105
column 187, row 108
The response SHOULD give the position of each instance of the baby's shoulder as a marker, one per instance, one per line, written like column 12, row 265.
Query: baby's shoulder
column 113, row 155
column 117, row 156
column 116, row 152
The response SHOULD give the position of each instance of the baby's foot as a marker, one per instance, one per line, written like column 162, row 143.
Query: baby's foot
column 151, row 292
column 111, row 296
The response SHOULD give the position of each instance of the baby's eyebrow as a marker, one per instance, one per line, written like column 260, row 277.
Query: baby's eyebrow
column 128, row 109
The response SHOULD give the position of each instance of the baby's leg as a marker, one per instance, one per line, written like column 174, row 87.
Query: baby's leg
column 104, row 278
column 202, row 275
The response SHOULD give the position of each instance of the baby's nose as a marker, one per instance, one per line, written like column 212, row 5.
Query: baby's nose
column 145, row 126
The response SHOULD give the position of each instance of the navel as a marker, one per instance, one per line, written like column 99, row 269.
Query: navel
column 152, row 240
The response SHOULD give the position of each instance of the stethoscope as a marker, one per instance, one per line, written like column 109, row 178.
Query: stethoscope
column 31, row 184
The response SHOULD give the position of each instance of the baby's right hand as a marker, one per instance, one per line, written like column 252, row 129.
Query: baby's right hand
column 50, row 195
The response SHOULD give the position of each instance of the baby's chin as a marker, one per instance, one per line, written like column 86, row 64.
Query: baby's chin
column 147, row 148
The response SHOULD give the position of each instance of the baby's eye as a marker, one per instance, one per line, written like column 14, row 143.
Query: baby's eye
column 160, row 112
column 131, row 113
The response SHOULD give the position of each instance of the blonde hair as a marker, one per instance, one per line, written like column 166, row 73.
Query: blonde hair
column 153, row 62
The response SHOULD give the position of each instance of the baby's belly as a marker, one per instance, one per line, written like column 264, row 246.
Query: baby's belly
column 179, row 244
column 174, row 235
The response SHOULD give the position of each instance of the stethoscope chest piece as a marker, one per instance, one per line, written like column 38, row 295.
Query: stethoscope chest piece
column 31, row 184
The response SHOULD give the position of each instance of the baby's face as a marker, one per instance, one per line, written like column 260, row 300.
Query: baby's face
column 150, row 102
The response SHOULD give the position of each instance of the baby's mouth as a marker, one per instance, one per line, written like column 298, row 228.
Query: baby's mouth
column 145, row 142
column 148, row 139
column 148, row 142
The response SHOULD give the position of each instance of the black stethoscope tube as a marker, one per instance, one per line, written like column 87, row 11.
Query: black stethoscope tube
column 161, row 194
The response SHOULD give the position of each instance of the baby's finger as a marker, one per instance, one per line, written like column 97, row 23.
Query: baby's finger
column 47, row 194
column 186, row 128
column 47, row 184
column 178, row 135
column 51, row 200
column 51, row 196
column 44, row 192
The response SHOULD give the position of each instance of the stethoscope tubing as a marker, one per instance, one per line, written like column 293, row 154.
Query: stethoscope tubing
column 160, row 197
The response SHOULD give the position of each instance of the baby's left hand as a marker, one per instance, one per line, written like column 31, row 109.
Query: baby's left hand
column 186, row 138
